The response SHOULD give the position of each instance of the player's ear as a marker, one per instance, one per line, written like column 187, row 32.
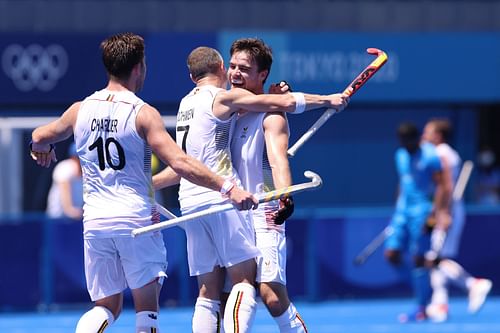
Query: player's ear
column 263, row 75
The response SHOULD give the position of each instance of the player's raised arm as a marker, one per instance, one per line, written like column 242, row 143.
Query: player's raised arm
column 228, row 102
column 150, row 126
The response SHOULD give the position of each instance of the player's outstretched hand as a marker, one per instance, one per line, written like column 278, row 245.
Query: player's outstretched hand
column 242, row 199
column 286, row 210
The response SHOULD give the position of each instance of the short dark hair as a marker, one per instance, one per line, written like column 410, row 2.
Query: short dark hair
column 121, row 52
column 257, row 49
column 443, row 127
column 408, row 132
column 202, row 61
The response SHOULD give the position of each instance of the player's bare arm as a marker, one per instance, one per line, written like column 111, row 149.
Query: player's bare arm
column 447, row 180
column 236, row 99
column 442, row 197
column 276, row 136
column 165, row 178
column 150, row 126
column 44, row 136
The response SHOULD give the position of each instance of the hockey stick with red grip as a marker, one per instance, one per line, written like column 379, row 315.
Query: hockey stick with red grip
column 351, row 89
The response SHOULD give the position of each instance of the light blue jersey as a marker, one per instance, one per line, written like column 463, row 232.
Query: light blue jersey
column 416, row 185
column 416, row 191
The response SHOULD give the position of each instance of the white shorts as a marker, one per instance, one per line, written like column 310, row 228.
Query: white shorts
column 223, row 239
column 113, row 264
column 271, row 266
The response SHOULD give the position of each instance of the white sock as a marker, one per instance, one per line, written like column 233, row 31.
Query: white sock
column 290, row 321
column 439, row 290
column 240, row 309
column 146, row 322
column 207, row 316
column 95, row 320
column 455, row 273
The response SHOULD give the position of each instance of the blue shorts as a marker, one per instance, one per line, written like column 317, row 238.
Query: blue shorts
column 408, row 233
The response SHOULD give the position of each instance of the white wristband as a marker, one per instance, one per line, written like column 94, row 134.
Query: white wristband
column 300, row 102
column 227, row 186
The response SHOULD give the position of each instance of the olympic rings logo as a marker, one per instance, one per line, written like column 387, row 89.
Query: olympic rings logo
column 35, row 67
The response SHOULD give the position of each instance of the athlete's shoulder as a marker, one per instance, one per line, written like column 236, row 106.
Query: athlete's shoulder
column 232, row 94
column 430, row 156
column 400, row 152
column 428, row 149
column 274, row 121
column 446, row 151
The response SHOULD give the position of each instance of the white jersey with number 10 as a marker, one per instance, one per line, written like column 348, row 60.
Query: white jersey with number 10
column 116, row 165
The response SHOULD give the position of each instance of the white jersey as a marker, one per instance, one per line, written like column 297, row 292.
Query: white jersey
column 451, row 156
column 249, row 152
column 116, row 165
column 65, row 171
column 205, row 137
column 452, row 242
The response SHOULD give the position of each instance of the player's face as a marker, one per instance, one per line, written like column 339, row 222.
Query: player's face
column 430, row 134
column 243, row 73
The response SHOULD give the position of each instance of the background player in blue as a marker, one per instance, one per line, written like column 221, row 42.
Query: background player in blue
column 447, row 237
column 423, row 192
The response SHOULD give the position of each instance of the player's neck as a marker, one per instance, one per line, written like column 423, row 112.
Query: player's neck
column 116, row 85
column 211, row 80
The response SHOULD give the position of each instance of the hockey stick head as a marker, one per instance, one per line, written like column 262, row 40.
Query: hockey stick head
column 314, row 177
column 368, row 72
column 381, row 57
column 375, row 51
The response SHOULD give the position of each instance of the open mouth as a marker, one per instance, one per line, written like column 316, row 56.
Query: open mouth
column 236, row 82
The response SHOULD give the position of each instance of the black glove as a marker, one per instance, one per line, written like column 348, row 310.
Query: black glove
column 285, row 210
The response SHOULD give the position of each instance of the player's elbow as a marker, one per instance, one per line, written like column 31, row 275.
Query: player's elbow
column 181, row 164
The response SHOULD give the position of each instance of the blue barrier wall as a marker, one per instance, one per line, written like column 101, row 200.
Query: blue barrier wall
column 43, row 260
column 354, row 151
column 445, row 67
column 437, row 67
